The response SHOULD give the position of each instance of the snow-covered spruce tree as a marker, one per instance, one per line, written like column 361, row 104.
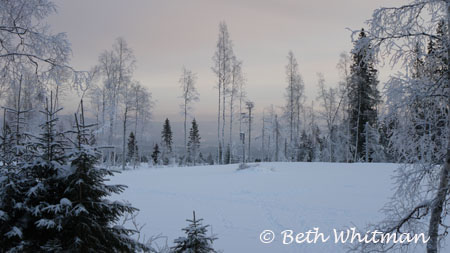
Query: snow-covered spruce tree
column 166, row 142
column 13, row 187
column 87, row 217
column 421, row 200
column 38, row 224
column 155, row 154
column 373, row 151
column 131, row 147
column 194, row 143
column 196, row 241
column 363, row 93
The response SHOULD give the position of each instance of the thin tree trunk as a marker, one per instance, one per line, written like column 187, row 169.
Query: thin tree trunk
column 124, row 138
column 249, row 133
column 18, row 114
column 231, row 126
column 367, row 142
column 277, row 140
column 223, row 122
column 438, row 203
column 262, row 140
column 291, row 109
column 218, row 124
column 437, row 206
column 185, row 137
column 136, row 113
column 356, row 157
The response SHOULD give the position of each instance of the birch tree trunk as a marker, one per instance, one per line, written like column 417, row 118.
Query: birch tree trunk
column 124, row 137
column 231, row 125
column 437, row 205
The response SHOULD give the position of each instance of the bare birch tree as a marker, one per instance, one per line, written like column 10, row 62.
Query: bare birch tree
column 222, row 68
column 189, row 95
column 237, row 80
column 116, row 67
column 294, row 99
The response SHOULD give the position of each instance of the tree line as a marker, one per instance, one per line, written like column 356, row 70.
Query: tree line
column 356, row 121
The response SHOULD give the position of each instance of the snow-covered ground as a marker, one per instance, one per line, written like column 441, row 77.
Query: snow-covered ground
column 239, row 205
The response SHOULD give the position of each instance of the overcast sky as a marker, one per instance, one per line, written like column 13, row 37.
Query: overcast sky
column 169, row 34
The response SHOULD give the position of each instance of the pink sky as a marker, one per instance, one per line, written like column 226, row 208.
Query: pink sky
column 167, row 35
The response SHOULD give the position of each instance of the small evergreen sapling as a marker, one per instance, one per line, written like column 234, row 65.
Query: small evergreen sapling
column 131, row 147
column 155, row 154
column 133, row 150
column 196, row 241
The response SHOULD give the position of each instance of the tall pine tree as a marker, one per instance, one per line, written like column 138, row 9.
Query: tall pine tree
column 194, row 143
column 166, row 136
column 363, row 95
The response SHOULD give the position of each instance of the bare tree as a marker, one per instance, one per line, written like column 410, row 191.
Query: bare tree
column 343, row 67
column 189, row 95
column 116, row 68
column 237, row 80
column 222, row 68
column 127, row 106
column 143, row 105
column 294, row 97
column 250, row 106
column 30, row 54
column 330, row 106
column 242, row 96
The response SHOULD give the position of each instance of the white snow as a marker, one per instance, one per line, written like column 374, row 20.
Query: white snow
column 239, row 205
column 65, row 202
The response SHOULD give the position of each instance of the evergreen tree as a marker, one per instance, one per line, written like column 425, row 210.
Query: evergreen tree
column 196, row 241
column 210, row 159
column 44, row 186
column 363, row 94
column 373, row 150
column 228, row 155
column 166, row 136
column 59, row 200
column 136, row 158
column 14, row 183
column 155, row 154
column 132, row 147
column 201, row 159
column 87, row 218
column 194, row 143
column 306, row 151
